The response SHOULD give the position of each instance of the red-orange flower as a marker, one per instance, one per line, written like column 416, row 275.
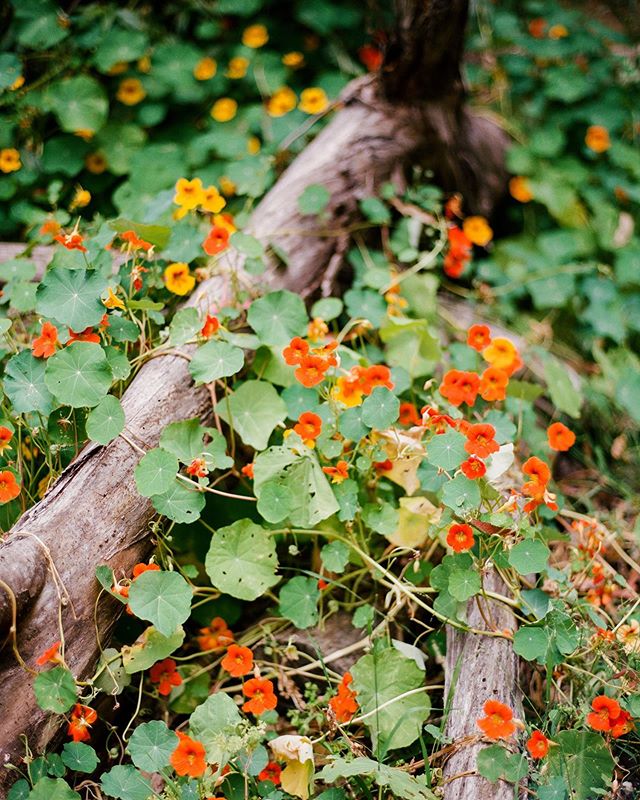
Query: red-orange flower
column 473, row 468
column 493, row 384
column 164, row 673
column 460, row 387
column 9, row 486
column 210, row 327
column 309, row 426
column 376, row 375
column 478, row 337
column 198, row 468
column 344, row 705
column 189, row 757
column 87, row 335
column 271, row 773
column 49, row 655
column 295, row 351
column 216, row 241
column 216, row 636
column 135, row 241
column 247, row 470
column 459, row 252
column 338, row 473
column 622, row 724
column 409, row 414
column 605, row 713
column 260, row 694
column 560, row 437
column 498, row 722
column 72, row 241
column 142, row 567
column 460, row 537
column 371, row 57
column 536, row 488
column 480, row 440
column 311, row 371
column 45, row 345
column 238, row 661
column 5, row 437
column 82, row 718
column 538, row 745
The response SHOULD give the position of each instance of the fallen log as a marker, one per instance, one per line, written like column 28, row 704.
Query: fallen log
column 93, row 514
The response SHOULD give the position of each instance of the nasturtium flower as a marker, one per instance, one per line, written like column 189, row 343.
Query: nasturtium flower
column 629, row 636
column 605, row 712
column 80, row 199
column 460, row 537
column 210, row 327
column 281, row 102
column 473, row 468
column 311, row 370
column 253, row 145
column 493, row 384
column 293, row 59
column 348, row 391
column 178, row 279
column 597, row 138
column 44, row 346
column 224, row 109
column 237, row 68
column 189, row 757
column 82, row 718
column 502, row 354
column 189, row 194
column 72, row 241
column 5, row 438
column 227, row 186
column 118, row 68
column 344, row 705
column 96, row 163
column 165, row 675
column 134, row 242
column 86, row 335
column 238, row 661
column 498, row 720
column 317, row 329
column 308, row 427
column 197, row 468
column 520, row 189
column 225, row 221
column 338, row 473
column 408, row 414
column 537, row 745
column 217, row 240
column 216, row 636
column 477, row 230
column 295, row 351
column 19, row 81
column 131, row 91
column 537, row 27
column 313, row 100
column 560, row 437
column 271, row 773
column 212, row 200
column 460, row 387
column 371, row 56
column 205, row 69
column 558, row 32
column 50, row 227
column 255, row 36
column 141, row 568
column 9, row 160
column 458, row 253
column 261, row 696
column 112, row 301
column 479, row 337
column 50, row 656
column 481, row 440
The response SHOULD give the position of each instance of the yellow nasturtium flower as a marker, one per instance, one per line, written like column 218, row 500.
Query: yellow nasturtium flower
column 9, row 160
column 255, row 36
column 189, row 194
column 81, row 198
column 131, row 91
column 224, row 109
column 253, row 145
column 112, row 301
column 205, row 69
column 293, row 59
column 19, row 81
column 313, row 100
column 212, row 201
column 281, row 102
column 477, row 230
column 520, row 190
column 178, row 279
column 227, row 186
column 237, row 68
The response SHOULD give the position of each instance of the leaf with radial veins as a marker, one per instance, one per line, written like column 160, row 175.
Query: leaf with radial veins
column 79, row 375
column 72, row 297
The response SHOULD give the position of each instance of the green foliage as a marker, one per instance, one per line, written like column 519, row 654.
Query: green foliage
column 55, row 690
column 106, row 421
column 299, row 601
column 213, row 723
column 151, row 745
column 163, row 598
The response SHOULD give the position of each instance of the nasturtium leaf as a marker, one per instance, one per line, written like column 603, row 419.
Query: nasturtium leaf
column 79, row 102
column 380, row 517
column 254, row 410
column 335, row 556
column 397, row 780
column 184, row 326
column 163, row 598
column 375, row 210
column 253, row 761
column 496, row 762
column 446, row 450
column 214, row 723
column 106, row 421
column 464, row 584
column 380, row 410
column 112, row 677
column 118, row 363
column 79, row 375
column 22, row 296
column 79, row 757
column 122, row 330
column 150, row 647
column 246, row 244
column 72, row 297
column 564, row 395
column 299, row 399
column 125, row 782
column 157, row 235
column 531, row 643
column 151, row 745
column 327, row 308
column 55, row 689
column 276, row 501
column 529, row 556
column 379, row 677
column 242, row 560
column 183, row 439
column 314, row 199
column 181, row 502
column 584, row 760
column 52, row 789
column 363, row 616
column 556, row 789
column 25, row 386
column 351, row 425
column 299, row 601
column 461, row 494
column 346, row 493
column 119, row 45
column 215, row 360
column 156, row 472
column 278, row 317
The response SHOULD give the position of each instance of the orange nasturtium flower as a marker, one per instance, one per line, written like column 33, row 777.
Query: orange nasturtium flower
column 216, row 636
column 140, row 569
column 520, row 189
column 261, row 696
column 238, row 661
column 50, row 655
column 479, row 337
column 308, row 427
column 480, row 440
column 9, row 160
column 460, row 537
column 178, row 279
column 5, row 437
column 134, row 242
column 597, row 138
column 248, row 470
column 493, row 384
column 560, row 437
column 538, row 745
column 205, row 69
column 295, row 351
column 271, row 773
column 216, row 241
column 164, row 673
column 344, row 705
column 82, row 718
column 313, row 100
column 255, row 36
column 477, row 230
column 536, row 488
column 459, row 252
column 189, row 757
column 72, row 241
column 281, row 102
column 311, row 370
column 502, row 354
column 45, row 345
column 9, row 486
column 371, row 56
column 210, row 327
column 498, row 720
column 338, row 473
column 293, row 59
column 237, row 68
column 317, row 329
column 473, row 468
column 224, row 109
column 607, row 716
column 197, row 468
column 131, row 91
column 460, row 387
column 408, row 414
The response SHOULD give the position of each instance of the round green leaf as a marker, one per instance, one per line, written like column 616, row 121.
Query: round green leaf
column 278, row 317
column 163, row 598
column 79, row 375
column 531, row 643
column 80, row 103
column 529, row 556
column 184, row 326
column 25, row 386
column 126, row 783
column 156, row 472
column 314, row 199
column 254, row 411
column 151, row 745
column 463, row 584
column 380, row 409
column 299, row 601
column 79, row 757
column 181, row 502
column 215, row 360
column 72, row 297
column 242, row 560
column 461, row 494
column 275, row 502
column 53, row 789
column 152, row 646
column 106, row 421
column 55, row 690
column 447, row 450
column 327, row 308
column 215, row 724
column 335, row 556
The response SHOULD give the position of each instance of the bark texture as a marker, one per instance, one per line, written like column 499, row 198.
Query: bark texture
column 478, row 668
column 93, row 514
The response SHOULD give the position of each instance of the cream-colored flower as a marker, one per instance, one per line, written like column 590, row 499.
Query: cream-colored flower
column 297, row 752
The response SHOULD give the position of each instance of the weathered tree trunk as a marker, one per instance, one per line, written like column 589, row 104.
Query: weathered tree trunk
column 93, row 514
